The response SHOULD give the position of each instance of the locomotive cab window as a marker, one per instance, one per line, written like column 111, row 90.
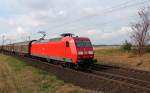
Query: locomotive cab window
column 83, row 43
column 67, row 44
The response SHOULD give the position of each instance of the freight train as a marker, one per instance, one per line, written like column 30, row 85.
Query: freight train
column 67, row 50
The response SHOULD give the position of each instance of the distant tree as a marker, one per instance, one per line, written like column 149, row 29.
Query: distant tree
column 141, row 32
column 126, row 46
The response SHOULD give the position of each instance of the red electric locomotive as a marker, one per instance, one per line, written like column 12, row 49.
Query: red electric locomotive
column 66, row 50
column 69, row 50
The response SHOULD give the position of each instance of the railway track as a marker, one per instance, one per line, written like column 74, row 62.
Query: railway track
column 131, row 77
column 99, row 80
column 141, row 84
column 127, row 72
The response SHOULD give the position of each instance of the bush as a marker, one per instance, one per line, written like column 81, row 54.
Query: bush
column 127, row 46
column 147, row 49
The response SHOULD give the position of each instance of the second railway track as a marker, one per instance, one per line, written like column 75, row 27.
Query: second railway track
column 137, row 83
column 121, row 71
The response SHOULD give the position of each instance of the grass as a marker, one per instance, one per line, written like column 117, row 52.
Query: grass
column 17, row 77
column 121, row 58
column 109, row 52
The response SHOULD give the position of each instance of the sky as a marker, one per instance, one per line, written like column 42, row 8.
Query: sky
column 103, row 21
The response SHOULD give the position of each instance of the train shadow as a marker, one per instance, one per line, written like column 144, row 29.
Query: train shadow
column 98, row 67
column 101, row 67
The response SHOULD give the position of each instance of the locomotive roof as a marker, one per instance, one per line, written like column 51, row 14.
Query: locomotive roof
column 58, row 39
column 47, row 40
column 67, row 34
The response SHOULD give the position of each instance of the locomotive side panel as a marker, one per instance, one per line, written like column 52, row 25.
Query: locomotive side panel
column 51, row 50
column 55, row 49
column 62, row 49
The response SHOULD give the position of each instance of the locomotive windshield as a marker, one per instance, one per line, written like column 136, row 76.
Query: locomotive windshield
column 83, row 43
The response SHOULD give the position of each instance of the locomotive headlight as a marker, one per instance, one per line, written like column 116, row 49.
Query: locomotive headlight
column 90, row 52
column 80, row 52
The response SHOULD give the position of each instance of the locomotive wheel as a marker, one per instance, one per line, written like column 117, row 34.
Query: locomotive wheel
column 63, row 65
column 68, row 65
column 77, row 67
column 49, row 60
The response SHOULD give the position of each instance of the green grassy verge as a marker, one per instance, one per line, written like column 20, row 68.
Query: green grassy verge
column 17, row 77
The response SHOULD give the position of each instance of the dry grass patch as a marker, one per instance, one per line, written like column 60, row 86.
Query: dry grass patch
column 121, row 58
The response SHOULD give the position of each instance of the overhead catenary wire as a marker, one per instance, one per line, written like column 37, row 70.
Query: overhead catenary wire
column 124, row 5
column 98, row 24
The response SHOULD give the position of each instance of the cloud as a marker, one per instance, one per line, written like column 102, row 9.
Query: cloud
column 91, row 32
column 62, row 13
column 9, row 3
column 33, row 5
column 26, row 21
column 89, row 11
column 20, row 30
column 99, row 36
column 15, row 36
column 17, row 28
column 115, row 34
